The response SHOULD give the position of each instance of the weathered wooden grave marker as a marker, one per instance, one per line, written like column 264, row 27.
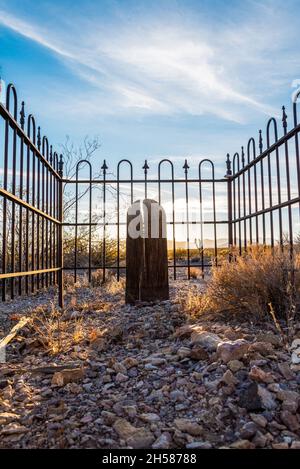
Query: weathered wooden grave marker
column 146, row 252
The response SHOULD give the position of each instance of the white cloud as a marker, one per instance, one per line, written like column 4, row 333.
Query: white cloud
column 161, row 67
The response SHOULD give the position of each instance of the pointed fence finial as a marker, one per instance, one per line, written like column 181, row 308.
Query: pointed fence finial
column 61, row 166
column 22, row 115
column 145, row 167
column 104, row 167
column 260, row 142
column 186, row 166
column 228, row 166
column 243, row 156
column 284, row 118
column 39, row 141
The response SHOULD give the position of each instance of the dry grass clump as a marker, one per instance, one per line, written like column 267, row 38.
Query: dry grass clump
column 195, row 272
column 115, row 287
column 251, row 285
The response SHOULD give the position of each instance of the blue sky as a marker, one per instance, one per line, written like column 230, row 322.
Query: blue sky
column 153, row 78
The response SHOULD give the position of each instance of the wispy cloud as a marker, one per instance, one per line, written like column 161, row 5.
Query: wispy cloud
column 160, row 67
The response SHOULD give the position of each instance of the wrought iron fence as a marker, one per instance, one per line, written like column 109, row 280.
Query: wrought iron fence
column 31, row 204
column 265, row 188
column 256, row 202
column 141, row 188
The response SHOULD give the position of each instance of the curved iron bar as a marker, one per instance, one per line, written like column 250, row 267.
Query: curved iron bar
column 186, row 168
column 166, row 160
column 55, row 205
column 295, row 108
column 297, row 151
column 45, row 208
column 237, row 206
column 251, row 143
column 76, row 218
column 272, row 121
column 32, row 126
column 207, row 160
column 45, row 187
column 104, row 167
column 11, row 87
column 20, row 263
column 124, row 160
column 288, row 181
column 262, row 188
column 244, row 196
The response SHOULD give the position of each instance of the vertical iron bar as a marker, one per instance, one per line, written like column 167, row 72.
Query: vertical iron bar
column 22, row 123
column 186, row 168
column 262, row 187
column 104, row 168
column 244, row 198
column 60, row 240
column 145, row 168
column 287, row 164
column 228, row 175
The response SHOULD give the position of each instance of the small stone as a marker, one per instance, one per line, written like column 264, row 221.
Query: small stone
column 121, row 378
column 229, row 379
column 143, row 438
column 255, row 397
column 119, row 368
column 257, row 374
column 130, row 362
column 208, row 340
column 242, row 444
column 259, row 420
column 264, row 348
column 286, row 371
column 87, row 419
column 100, row 344
column 280, row 446
column 291, row 406
column 270, row 338
column 232, row 350
column 290, row 420
column 177, row 396
column 199, row 353
column 259, row 440
column 267, row 399
column 163, row 442
column 150, row 418
column 295, row 445
column 188, row 426
column 286, row 395
column 109, row 417
column 199, row 445
column 235, row 365
column 184, row 352
column 248, row 430
column 124, row 428
column 155, row 361
column 61, row 378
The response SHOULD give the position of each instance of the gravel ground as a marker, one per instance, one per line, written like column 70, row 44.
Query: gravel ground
column 145, row 376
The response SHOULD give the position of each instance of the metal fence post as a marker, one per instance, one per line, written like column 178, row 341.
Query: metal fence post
column 228, row 176
column 60, row 237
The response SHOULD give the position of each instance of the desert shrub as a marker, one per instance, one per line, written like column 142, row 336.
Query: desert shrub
column 195, row 272
column 97, row 278
column 251, row 285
